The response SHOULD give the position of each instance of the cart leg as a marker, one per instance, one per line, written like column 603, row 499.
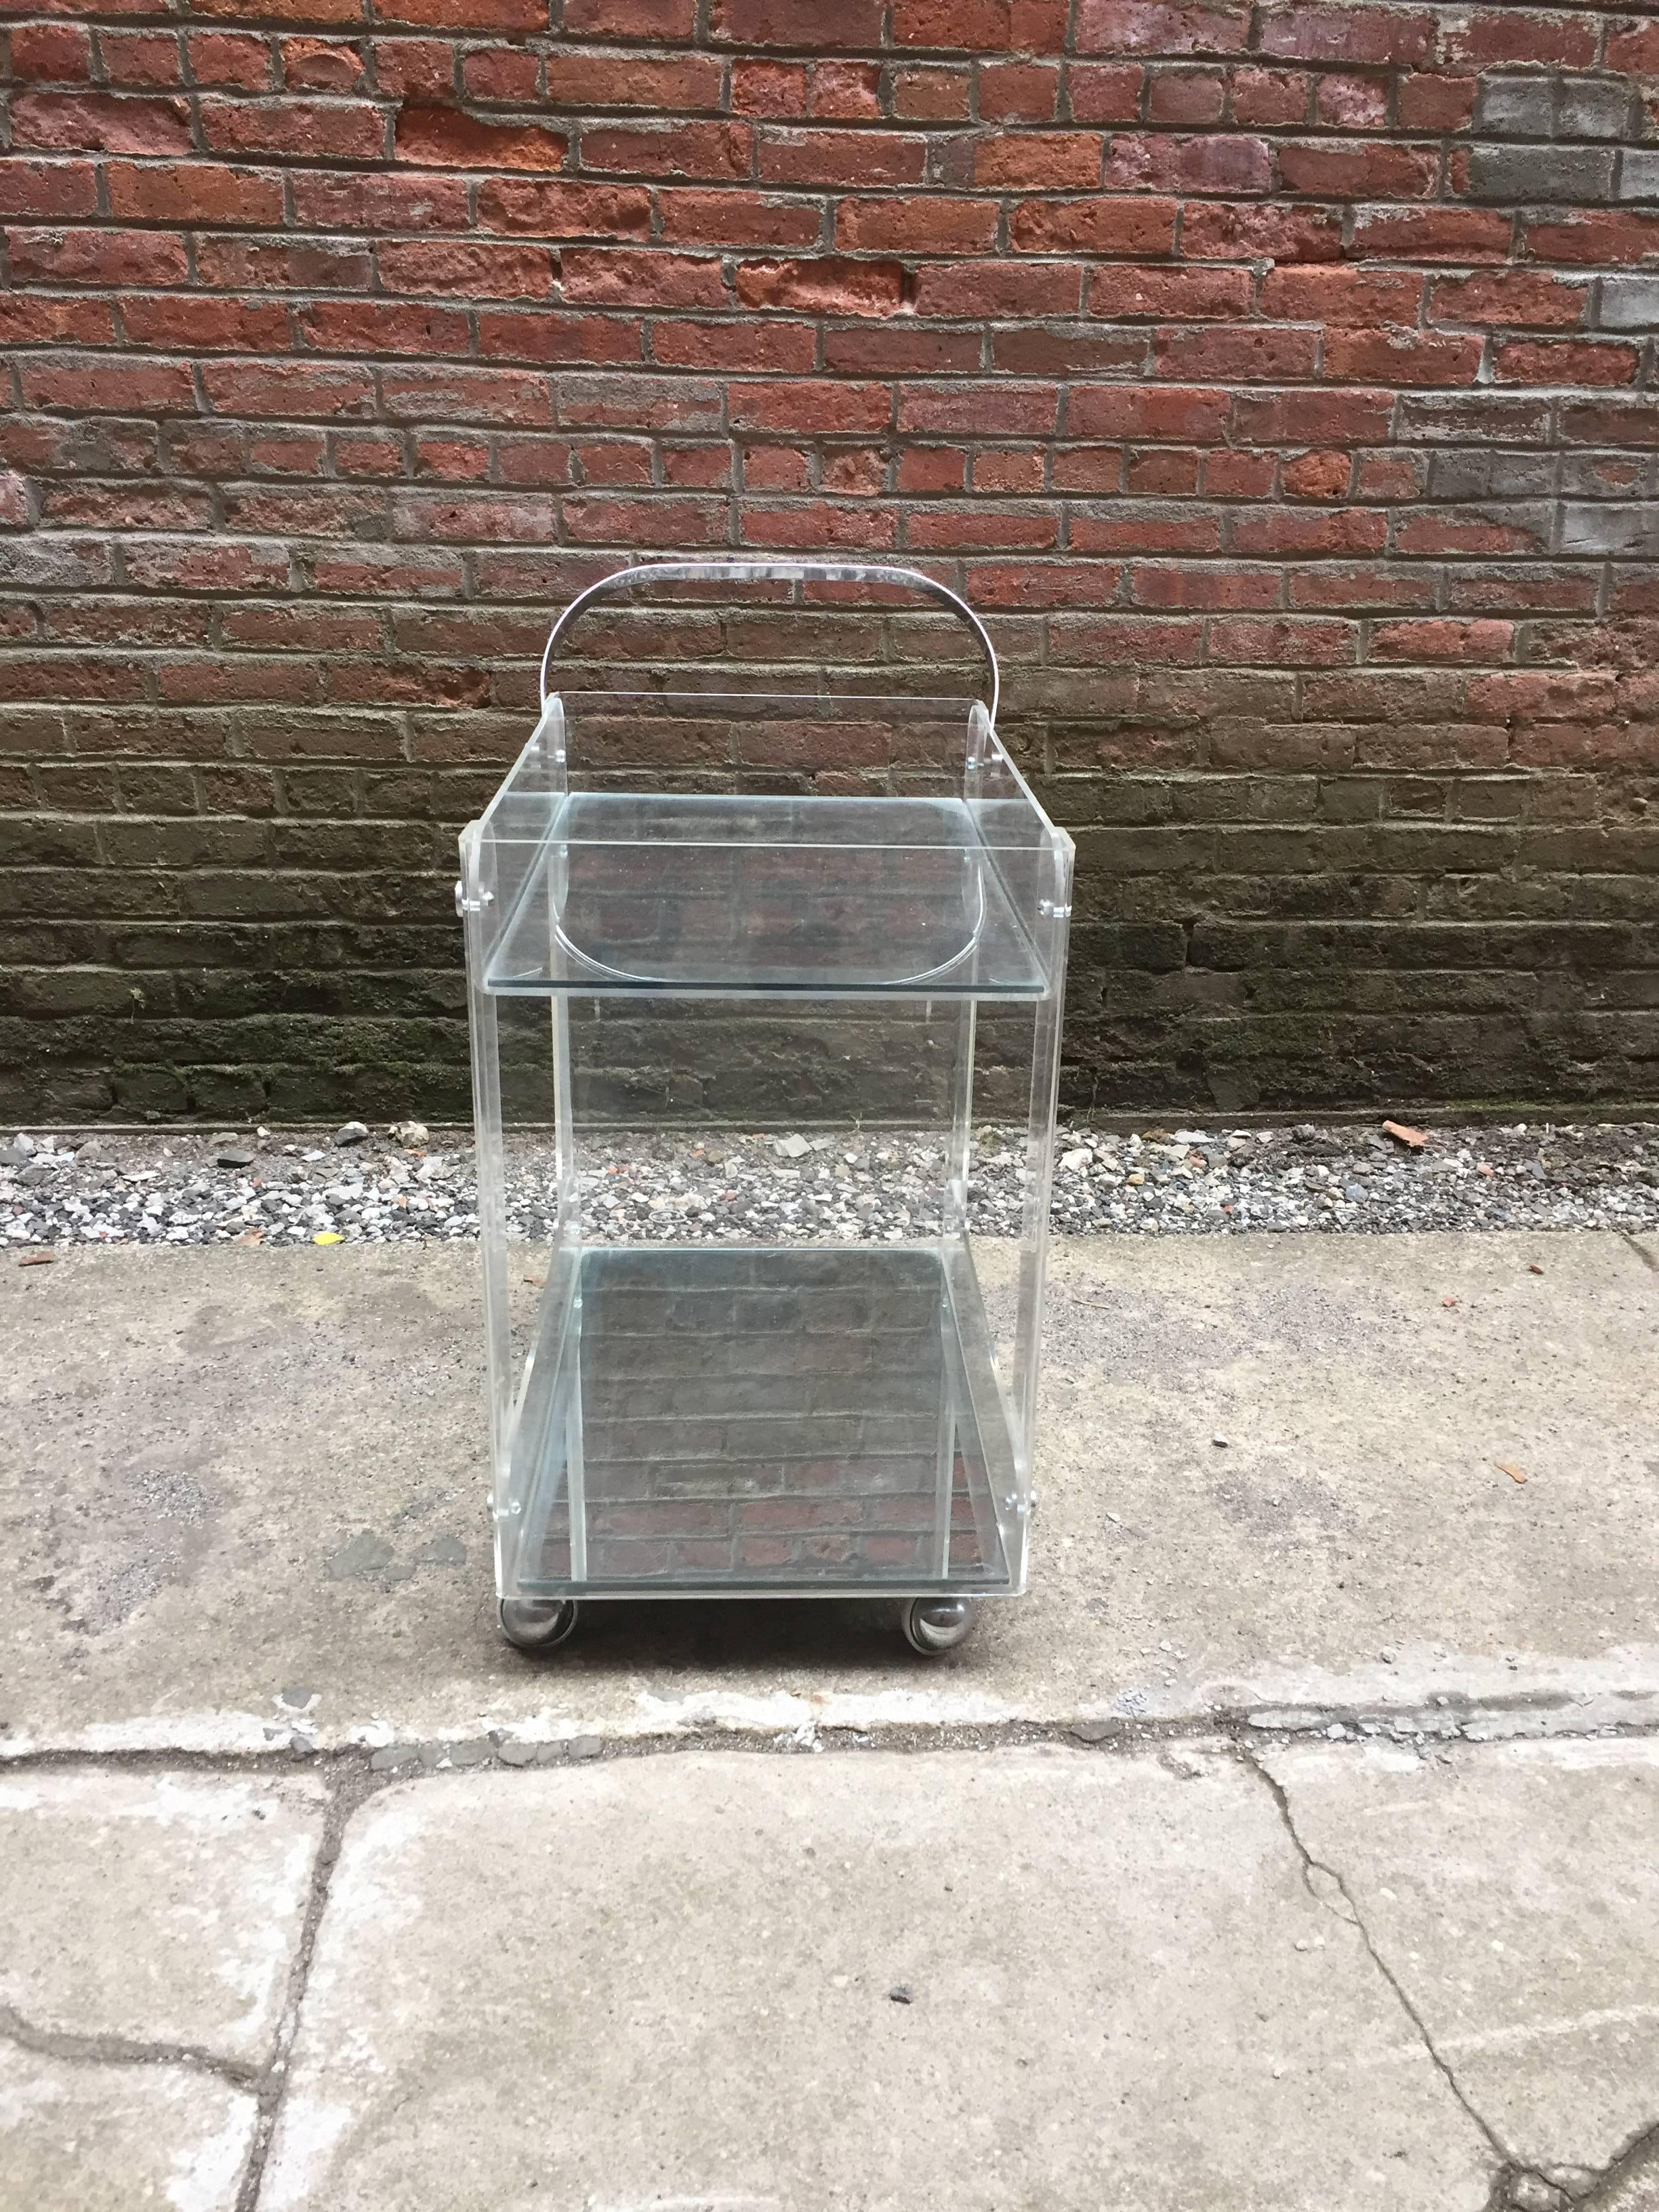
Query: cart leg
column 932, row 1625
column 537, row 1624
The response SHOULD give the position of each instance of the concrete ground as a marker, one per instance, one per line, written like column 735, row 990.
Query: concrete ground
column 1294, row 1847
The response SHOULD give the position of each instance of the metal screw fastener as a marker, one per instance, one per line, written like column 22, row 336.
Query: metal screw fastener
column 464, row 906
column 1048, row 905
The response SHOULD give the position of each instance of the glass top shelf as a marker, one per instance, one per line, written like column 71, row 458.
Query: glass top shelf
column 949, row 884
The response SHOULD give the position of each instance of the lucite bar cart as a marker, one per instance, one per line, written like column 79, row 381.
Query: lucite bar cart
column 830, row 929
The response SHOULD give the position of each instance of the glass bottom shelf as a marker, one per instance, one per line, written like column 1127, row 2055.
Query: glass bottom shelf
column 730, row 1421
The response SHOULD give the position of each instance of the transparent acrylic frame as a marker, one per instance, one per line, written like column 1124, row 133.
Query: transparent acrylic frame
column 517, row 857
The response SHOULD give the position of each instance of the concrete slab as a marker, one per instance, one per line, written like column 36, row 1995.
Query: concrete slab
column 244, row 1501
column 1514, row 1891
column 75, row 2138
column 1038, row 1978
column 163, row 1909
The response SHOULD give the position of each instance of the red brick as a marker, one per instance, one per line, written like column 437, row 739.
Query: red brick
column 313, row 130
column 1007, row 471
column 925, row 94
column 1322, row 475
column 1357, row 585
column 999, row 289
column 737, row 218
column 1590, row 236
column 1186, row 96
column 108, row 386
column 1163, row 411
column 803, row 23
column 1631, row 46
column 97, row 257
column 47, row 188
column 1358, row 171
column 562, row 341
column 1019, row 92
column 1092, row 583
column 1558, row 360
column 629, row 19
column 50, row 53
column 1093, row 225
column 384, row 327
column 1437, row 103
column 562, row 210
column 228, row 58
column 776, row 468
column 1169, row 471
column 1037, row 161
column 1429, row 535
column 195, row 192
column 154, row 60
column 1026, row 350
column 1104, row 92
column 1148, row 26
column 443, row 137
column 1238, row 476
column 183, row 324
column 218, row 565
column 774, row 88
column 1111, row 641
column 1212, row 232
column 1252, row 354
column 829, row 285
column 1302, row 418
column 1304, row 531
column 1390, row 476
column 1183, row 294
column 1210, row 163
column 1394, row 356
column 1512, row 298
column 899, row 348
column 708, row 150
column 582, row 81
column 1442, row 640
column 505, row 73
column 1125, row 528
column 847, row 91
column 1218, row 586
column 471, row 17
column 66, row 122
column 322, row 64
column 962, row 528
column 453, row 393
column 39, row 319
column 1439, row 234
column 986, row 410
column 472, row 270
column 913, row 223
column 322, row 201
column 415, row 69
column 629, row 278
column 817, row 408
column 1285, row 640
column 1323, row 294
column 1268, row 96
column 1520, row 34
column 816, row 524
column 283, row 388
column 791, row 349
column 1351, row 103
column 1366, row 32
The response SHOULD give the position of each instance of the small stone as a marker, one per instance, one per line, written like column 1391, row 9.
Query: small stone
column 351, row 1133
column 1355, row 1191
column 1304, row 1132
column 793, row 1148
column 36, row 1173
column 1095, row 1731
column 410, row 1134
column 234, row 1156
column 513, row 1753
column 296, row 1698
column 394, row 1756
column 24, row 1143
column 14, row 1156
column 478, row 1751
column 1530, row 2192
column 1219, row 1441
column 585, row 1747
column 1074, row 1162
column 901, row 1993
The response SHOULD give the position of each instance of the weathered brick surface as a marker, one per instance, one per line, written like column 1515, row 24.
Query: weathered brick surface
column 1278, row 378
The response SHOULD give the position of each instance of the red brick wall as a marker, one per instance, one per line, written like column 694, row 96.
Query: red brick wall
column 1278, row 378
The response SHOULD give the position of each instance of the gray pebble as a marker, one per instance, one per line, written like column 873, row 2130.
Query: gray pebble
column 14, row 1156
column 586, row 1747
column 1356, row 1192
column 388, row 1759
column 351, row 1133
column 514, row 1753
column 234, row 1155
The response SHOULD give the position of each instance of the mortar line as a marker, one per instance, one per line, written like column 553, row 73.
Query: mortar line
column 348, row 1787
column 1508, row 2164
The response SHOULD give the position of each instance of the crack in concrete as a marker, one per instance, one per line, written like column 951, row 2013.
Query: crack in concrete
column 1637, row 2161
column 92, row 2048
column 348, row 1786
column 1507, row 2164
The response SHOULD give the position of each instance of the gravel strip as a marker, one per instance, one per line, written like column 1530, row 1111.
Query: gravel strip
column 401, row 1186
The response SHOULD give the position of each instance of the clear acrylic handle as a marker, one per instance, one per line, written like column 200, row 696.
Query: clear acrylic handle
column 774, row 572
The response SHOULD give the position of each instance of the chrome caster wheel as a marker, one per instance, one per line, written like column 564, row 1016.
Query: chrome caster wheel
column 537, row 1624
column 932, row 1625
